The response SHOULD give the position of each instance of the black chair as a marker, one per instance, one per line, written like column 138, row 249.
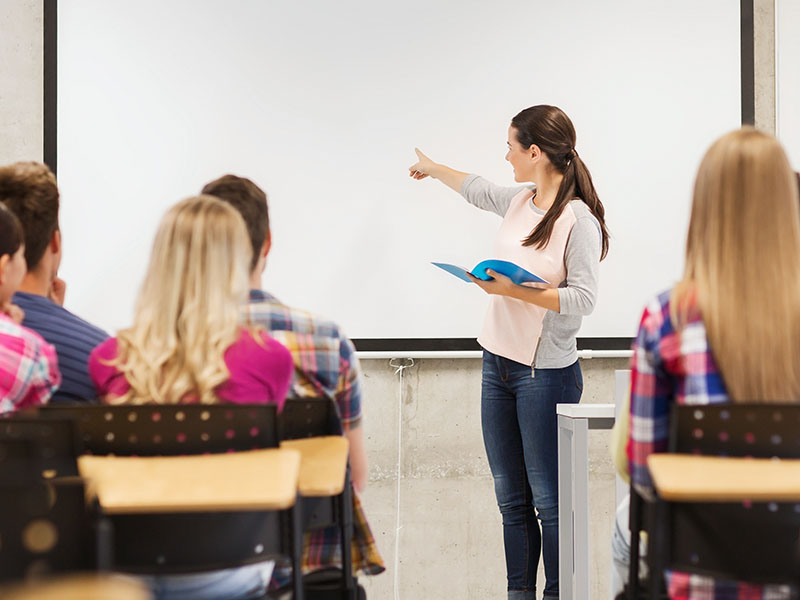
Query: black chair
column 183, row 543
column 45, row 524
column 753, row 542
column 313, row 417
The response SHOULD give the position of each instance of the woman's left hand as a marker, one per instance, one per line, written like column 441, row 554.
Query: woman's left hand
column 499, row 285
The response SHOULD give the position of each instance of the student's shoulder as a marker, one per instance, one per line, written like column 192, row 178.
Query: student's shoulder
column 276, row 316
column 582, row 214
column 21, row 340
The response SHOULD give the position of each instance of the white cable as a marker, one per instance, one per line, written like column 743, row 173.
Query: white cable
column 399, row 368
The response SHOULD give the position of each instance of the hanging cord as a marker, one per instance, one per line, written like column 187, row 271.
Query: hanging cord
column 399, row 365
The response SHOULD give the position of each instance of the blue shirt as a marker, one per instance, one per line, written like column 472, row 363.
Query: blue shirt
column 73, row 338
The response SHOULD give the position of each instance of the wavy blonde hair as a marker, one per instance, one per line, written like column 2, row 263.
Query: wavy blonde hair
column 743, row 266
column 189, row 309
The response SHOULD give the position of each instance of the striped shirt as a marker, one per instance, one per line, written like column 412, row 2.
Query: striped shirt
column 73, row 338
column 677, row 367
column 28, row 367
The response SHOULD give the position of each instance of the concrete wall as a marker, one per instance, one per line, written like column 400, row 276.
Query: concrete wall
column 428, row 469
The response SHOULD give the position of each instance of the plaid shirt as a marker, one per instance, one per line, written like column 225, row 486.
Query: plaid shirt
column 670, row 366
column 325, row 366
column 28, row 367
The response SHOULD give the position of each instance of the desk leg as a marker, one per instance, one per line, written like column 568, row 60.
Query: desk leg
column 565, row 500
column 580, row 483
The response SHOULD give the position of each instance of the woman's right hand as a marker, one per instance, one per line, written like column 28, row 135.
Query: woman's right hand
column 422, row 168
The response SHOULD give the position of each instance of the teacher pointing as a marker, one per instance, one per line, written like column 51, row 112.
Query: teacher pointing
column 555, row 229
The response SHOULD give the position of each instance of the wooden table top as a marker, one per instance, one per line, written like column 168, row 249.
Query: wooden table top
column 688, row 478
column 250, row 480
column 323, row 464
column 80, row 587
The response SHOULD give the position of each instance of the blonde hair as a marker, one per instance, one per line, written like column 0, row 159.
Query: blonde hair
column 189, row 309
column 743, row 266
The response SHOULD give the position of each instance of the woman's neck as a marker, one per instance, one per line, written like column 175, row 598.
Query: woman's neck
column 547, row 189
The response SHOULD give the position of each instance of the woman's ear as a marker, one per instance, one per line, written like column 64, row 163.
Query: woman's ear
column 4, row 260
column 534, row 151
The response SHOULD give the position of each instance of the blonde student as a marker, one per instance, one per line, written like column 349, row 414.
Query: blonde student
column 729, row 330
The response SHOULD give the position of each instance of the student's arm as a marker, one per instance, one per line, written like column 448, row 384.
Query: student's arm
column 651, row 395
column 359, row 468
column 348, row 403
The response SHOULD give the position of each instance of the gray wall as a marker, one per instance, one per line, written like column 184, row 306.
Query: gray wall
column 449, row 536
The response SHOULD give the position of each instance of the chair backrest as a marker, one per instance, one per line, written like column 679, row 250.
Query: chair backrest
column 748, row 541
column 33, row 448
column 309, row 417
column 757, row 430
column 45, row 528
column 156, row 430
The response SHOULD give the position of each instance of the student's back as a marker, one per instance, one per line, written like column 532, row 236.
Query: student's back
column 190, row 343
column 29, row 189
column 729, row 331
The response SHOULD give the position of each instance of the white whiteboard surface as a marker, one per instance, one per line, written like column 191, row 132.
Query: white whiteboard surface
column 322, row 103
column 787, row 77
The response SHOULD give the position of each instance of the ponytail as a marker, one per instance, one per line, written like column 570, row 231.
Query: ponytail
column 551, row 129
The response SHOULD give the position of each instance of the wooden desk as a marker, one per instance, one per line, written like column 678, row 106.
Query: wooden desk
column 323, row 464
column 80, row 587
column 688, row 478
column 251, row 480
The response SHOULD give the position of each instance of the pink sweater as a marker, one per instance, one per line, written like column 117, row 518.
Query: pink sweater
column 512, row 328
column 260, row 371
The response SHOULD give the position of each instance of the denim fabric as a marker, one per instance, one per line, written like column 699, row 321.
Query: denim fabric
column 239, row 583
column 518, row 413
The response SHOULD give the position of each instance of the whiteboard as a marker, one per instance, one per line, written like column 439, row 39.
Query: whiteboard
column 787, row 77
column 322, row 103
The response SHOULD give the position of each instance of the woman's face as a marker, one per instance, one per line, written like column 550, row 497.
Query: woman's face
column 13, row 271
column 519, row 157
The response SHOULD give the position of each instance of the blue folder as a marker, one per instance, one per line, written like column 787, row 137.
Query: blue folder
column 514, row 272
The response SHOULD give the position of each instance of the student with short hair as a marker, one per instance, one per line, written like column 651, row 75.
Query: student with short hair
column 30, row 190
column 729, row 330
column 28, row 365
column 325, row 366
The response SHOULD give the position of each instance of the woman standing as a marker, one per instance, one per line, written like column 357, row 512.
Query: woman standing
column 554, row 228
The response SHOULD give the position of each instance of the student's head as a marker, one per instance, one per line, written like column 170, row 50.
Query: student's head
column 29, row 189
column 742, row 265
column 12, row 254
column 251, row 202
column 189, row 307
column 541, row 140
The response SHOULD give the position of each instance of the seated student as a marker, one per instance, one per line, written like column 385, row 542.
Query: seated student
column 29, row 189
column 28, row 365
column 190, row 343
column 325, row 366
column 729, row 330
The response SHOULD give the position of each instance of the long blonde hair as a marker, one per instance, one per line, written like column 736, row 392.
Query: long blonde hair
column 189, row 309
column 743, row 266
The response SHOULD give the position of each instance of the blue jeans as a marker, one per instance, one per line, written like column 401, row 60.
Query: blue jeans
column 238, row 583
column 518, row 414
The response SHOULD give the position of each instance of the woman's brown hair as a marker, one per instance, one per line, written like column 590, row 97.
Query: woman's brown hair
column 549, row 128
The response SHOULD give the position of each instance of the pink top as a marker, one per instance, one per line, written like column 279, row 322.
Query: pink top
column 512, row 328
column 28, row 367
column 260, row 371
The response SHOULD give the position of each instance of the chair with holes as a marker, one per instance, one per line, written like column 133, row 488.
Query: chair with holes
column 174, row 543
column 729, row 494
column 45, row 524
column 304, row 425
